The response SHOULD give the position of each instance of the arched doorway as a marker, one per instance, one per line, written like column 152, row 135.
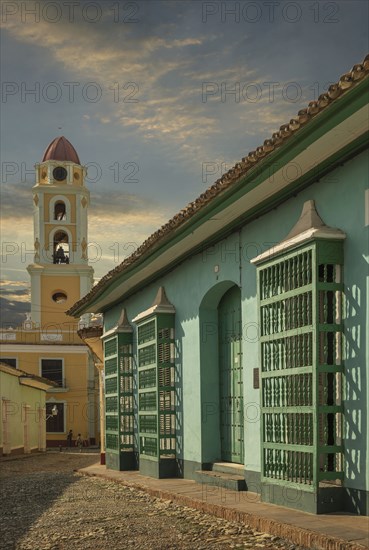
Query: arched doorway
column 230, row 377
column 219, row 321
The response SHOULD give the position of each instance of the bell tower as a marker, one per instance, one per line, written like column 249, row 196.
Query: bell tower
column 60, row 274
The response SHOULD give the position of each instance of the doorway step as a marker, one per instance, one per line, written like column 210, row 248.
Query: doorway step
column 223, row 474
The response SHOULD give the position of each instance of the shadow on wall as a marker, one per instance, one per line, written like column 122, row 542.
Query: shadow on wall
column 136, row 436
column 179, row 335
column 355, row 392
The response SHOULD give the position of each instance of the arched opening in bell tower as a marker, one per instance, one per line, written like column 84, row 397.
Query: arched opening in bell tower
column 60, row 209
column 60, row 212
column 61, row 250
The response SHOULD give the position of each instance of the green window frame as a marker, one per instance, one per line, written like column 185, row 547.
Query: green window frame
column 119, row 398
column 300, row 303
column 156, row 387
column 111, row 394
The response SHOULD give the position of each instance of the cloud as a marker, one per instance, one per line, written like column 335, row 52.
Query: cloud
column 118, row 224
column 104, row 120
column 151, row 75
column 168, row 54
column 16, row 197
column 17, row 204
column 13, row 312
column 163, row 101
column 166, row 66
column 18, row 295
column 114, row 234
column 16, row 288
column 14, row 303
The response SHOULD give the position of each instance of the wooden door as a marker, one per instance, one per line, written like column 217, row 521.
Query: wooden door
column 230, row 376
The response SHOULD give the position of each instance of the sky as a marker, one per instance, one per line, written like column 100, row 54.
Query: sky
column 159, row 98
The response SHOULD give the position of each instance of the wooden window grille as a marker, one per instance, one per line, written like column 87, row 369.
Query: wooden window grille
column 156, row 391
column 110, row 347
column 119, row 401
column 300, row 300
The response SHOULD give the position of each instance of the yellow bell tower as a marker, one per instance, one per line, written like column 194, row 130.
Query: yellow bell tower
column 60, row 274
column 47, row 343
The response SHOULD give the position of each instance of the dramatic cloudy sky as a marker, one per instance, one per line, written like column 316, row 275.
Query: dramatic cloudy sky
column 143, row 90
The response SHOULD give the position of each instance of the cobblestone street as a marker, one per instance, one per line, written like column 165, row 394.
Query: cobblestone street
column 46, row 505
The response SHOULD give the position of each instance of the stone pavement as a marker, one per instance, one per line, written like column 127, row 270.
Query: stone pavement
column 338, row 531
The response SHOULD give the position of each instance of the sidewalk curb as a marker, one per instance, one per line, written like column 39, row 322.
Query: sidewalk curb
column 292, row 533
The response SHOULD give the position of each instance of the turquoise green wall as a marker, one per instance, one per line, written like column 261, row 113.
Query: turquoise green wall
column 339, row 199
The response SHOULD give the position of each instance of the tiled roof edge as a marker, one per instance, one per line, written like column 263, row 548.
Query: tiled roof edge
column 346, row 82
column 4, row 367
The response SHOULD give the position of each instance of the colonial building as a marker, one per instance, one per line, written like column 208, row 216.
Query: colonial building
column 47, row 344
column 23, row 411
column 236, row 336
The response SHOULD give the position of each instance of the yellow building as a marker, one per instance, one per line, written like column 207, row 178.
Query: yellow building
column 22, row 411
column 47, row 343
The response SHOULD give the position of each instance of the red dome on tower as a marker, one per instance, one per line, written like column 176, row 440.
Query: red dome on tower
column 61, row 149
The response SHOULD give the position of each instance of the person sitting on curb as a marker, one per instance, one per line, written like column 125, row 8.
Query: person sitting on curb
column 79, row 442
